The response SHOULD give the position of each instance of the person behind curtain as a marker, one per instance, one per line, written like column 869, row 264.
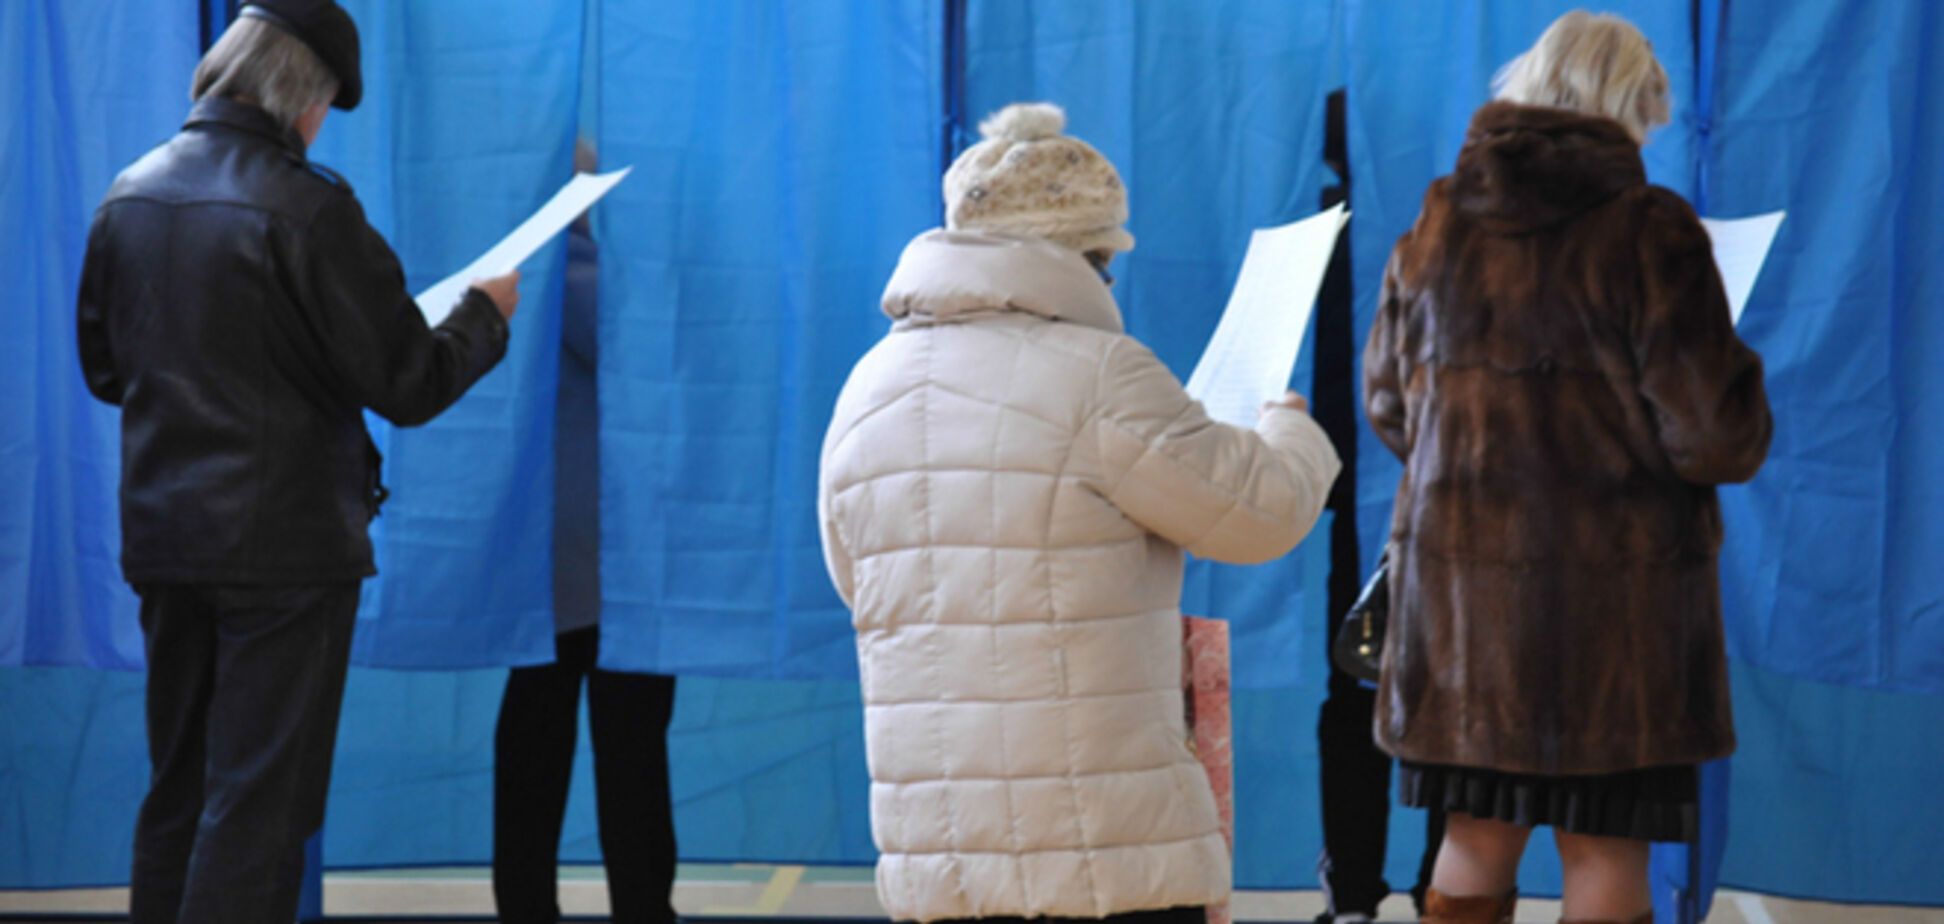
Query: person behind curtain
column 238, row 308
column 628, row 714
column 1007, row 486
column 1554, row 361
column 1354, row 778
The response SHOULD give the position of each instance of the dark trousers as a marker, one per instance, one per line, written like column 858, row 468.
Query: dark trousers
column 244, row 686
column 1356, row 804
column 1182, row 915
column 533, row 754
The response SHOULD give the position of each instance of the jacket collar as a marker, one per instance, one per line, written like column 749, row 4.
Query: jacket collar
column 244, row 117
column 947, row 276
column 1528, row 167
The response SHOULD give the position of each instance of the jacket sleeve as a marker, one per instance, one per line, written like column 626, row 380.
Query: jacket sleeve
column 372, row 332
column 91, row 334
column 1218, row 491
column 1384, row 375
column 837, row 558
column 1702, row 385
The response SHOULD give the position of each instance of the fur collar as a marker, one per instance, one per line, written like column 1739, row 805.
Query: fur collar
column 1527, row 167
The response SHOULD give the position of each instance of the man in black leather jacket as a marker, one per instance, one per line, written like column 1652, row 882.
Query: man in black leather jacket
column 243, row 314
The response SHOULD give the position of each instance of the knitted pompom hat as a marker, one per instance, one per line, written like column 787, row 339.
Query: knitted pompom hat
column 1027, row 179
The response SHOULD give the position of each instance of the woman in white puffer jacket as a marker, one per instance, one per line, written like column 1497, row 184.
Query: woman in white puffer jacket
column 1007, row 486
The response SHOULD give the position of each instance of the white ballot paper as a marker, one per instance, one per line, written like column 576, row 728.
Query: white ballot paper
column 576, row 197
column 1253, row 352
column 1740, row 247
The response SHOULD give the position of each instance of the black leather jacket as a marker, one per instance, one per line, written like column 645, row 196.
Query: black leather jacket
column 242, row 312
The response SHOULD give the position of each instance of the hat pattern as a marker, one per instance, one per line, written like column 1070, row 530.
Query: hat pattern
column 1026, row 178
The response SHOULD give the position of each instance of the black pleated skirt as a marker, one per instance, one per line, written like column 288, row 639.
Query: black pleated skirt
column 1652, row 804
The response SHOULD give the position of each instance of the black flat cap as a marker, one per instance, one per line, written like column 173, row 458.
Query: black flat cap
column 328, row 30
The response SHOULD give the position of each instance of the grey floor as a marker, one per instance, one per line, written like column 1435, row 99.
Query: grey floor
column 756, row 892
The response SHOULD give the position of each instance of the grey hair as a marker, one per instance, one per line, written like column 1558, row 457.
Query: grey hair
column 1601, row 65
column 265, row 65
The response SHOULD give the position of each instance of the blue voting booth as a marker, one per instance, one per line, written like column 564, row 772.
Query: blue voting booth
column 783, row 154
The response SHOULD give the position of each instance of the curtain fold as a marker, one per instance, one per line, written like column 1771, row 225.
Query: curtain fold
column 91, row 86
column 467, row 126
column 783, row 155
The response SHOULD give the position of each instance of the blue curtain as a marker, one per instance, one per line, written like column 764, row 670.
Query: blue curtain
column 91, row 85
column 1830, row 112
column 73, row 768
column 761, row 770
column 1835, row 609
column 783, row 155
column 467, row 126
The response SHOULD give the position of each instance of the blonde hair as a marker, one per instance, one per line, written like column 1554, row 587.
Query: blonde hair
column 1596, row 64
column 260, row 63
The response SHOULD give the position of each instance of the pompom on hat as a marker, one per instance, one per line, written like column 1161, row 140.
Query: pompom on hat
column 1028, row 179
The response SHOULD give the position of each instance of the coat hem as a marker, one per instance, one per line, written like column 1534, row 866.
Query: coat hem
column 1693, row 752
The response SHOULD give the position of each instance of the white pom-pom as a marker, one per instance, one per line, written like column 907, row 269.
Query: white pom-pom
column 1025, row 122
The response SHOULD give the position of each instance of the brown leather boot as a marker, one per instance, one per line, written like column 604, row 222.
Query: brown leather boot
column 1440, row 908
column 1647, row 918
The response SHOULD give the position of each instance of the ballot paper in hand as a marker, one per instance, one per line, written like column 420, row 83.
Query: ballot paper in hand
column 1740, row 247
column 1253, row 352
column 576, row 197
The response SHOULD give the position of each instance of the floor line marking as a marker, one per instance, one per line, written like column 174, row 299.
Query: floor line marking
column 1752, row 909
column 776, row 893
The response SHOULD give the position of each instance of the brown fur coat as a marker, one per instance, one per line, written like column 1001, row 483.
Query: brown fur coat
column 1554, row 361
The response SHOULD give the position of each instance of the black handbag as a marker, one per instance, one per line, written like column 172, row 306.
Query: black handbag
column 1359, row 646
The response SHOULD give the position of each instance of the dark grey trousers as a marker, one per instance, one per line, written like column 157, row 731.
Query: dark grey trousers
column 533, row 765
column 244, row 687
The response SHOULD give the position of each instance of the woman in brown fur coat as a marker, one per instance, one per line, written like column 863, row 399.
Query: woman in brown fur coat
column 1554, row 361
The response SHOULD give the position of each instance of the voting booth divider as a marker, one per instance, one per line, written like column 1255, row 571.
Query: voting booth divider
column 781, row 155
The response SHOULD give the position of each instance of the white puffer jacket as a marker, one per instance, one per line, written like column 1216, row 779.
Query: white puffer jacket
column 1007, row 486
